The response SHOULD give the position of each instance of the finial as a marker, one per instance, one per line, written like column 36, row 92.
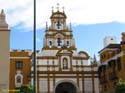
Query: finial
column 70, row 26
column 91, row 60
column 57, row 7
column 63, row 9
column 2, row 12
column 52, row 9
column 46, row 26
column 94, row 60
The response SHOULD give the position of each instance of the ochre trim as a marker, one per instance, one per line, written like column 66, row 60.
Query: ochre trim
column 83, row 88
column 47, row 66
column 93, row 85
column 46, row 57
column 67, row 76
column 83, row 58
column 66, row 72
column 56, row 48
column 38, row 84
column 71, row 63
column 48, row 79
column 77, row 80
column 3, row 30
column 54, row 82
column 59, row 63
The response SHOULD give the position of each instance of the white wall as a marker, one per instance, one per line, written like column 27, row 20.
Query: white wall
column 43, row 85
column 96, row 81
column 88, row 84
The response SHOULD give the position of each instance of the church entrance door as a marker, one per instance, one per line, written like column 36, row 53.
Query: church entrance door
column 65, row 87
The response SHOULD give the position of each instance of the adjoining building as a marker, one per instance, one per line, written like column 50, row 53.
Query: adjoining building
column 15, row 68
column 112, row 64
column 20, row 68
column 60, row 67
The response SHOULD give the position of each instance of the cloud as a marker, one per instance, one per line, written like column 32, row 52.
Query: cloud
column 78, row 11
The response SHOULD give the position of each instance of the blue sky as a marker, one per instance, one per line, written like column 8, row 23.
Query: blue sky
column 91, row 20
column 88, row 38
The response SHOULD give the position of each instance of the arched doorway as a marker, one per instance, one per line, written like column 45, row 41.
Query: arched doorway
column 65, row 87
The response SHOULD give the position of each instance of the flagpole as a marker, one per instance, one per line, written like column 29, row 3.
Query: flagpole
column 34, row 49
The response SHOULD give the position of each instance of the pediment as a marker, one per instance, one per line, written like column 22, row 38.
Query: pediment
column 59, row 35
column 83, row 54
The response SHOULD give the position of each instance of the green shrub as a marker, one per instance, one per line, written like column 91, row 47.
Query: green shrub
column 120, row 87
column 27, row 88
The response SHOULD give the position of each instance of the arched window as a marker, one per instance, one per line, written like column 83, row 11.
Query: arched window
column 65, row 63
column 67, row 43
column 50, row 43
column 58, row 25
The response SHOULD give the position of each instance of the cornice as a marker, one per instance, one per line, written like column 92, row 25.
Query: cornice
column 56, row 48
column 66, row 72
column 4, row 30
column 55, row 32
column 47, row 57
column 81, row 58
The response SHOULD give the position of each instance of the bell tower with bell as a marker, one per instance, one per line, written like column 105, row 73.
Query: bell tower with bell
column 58, row 34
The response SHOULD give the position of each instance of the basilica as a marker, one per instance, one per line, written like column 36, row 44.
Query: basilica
column 60, row 67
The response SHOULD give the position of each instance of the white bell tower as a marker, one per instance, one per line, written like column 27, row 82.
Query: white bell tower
column 110, row 40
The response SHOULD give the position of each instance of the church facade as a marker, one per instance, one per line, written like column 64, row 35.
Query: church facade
column 60, row 68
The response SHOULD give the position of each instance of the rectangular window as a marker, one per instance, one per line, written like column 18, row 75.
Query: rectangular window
column 19, row 64
column 119, row 64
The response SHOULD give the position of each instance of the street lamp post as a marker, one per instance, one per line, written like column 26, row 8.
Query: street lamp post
column 34, row 49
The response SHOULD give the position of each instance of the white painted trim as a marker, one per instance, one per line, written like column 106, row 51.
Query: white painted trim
column 21, row 76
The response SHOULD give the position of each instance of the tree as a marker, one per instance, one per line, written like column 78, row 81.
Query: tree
column 27, row 88
column 120, row 87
